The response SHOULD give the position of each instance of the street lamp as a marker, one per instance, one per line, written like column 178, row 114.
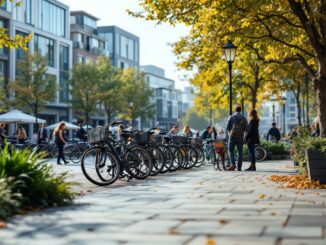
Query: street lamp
column 284, row 106
column 131, row 105
column 229, row 54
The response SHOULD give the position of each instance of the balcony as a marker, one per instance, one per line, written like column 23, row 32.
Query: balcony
column 99, row 51
column 78, row 45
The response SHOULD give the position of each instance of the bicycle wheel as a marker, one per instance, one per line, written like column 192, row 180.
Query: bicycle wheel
column 220, row 156
column 168, row 158
column 67, row 151
column 157, row 159
column 201, row 157
column 138, row 162
column 191, row 157
column 177, row 157
column 99, row 166
column 260, row 153
column 75, row 154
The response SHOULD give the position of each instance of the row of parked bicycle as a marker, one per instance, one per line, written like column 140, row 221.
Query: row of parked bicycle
column 142, row 154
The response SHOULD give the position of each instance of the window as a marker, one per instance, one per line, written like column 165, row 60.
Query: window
column 2, row 25
column 73, row 20
column 28, row 11
column 122, row 65
column 80, row 59
column 124, row 47
column 109, row 40
column 90, row 22
column 3, row 73
column 53, row 18
column 64, row 58
column 20, row 53
column 64, row 87
column 45, row 47
column 127, row 48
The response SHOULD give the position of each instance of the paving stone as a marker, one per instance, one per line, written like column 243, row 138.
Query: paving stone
column 292, row 231
column 307, row 220
column 220, row 240
column 303, row 242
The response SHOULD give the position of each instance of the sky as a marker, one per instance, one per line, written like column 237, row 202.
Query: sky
column 154, row 39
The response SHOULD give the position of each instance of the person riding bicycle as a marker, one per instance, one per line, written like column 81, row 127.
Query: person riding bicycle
column 273, row 133
column 207, row 133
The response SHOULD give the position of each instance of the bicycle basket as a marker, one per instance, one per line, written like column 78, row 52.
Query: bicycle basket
column 141, row 137
column 98, row 135
column 196, row 141
column 180, row 139
column 219, row 144
column 157, row 138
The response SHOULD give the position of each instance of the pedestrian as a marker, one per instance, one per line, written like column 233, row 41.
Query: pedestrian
column 186, row 131
column 294, row 133
column 21, row 135
column 207, row 133
column 236, row 127
column 3, row 136
column 42, row 135
column 273, row 133
column 81, row 133
column 60, row 141
column 174, row 130
column 315, row 132
column 214, row 133
column 252, row 137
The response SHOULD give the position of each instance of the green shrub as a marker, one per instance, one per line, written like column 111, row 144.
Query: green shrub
column 10, row 202
column 272, row 147
column 304, row 142
column 41, row 187
column 276, row 148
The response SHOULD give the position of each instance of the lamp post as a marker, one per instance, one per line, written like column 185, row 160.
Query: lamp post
column 306, row 80
column 229, row 53
column 131, row 105
column 284, row 107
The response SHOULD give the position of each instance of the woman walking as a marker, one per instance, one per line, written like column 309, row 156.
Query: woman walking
column 252, row 137
column 60, row 141
column 21, row 135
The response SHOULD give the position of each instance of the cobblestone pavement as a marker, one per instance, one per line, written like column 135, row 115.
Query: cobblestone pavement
column 199, row 206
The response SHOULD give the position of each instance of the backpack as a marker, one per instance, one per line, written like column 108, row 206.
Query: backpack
column 238, row 129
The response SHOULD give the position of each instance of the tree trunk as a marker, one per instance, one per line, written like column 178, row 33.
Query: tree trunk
column 321, row 104
column 298, row 107
column 108, row 114
column 254, row 100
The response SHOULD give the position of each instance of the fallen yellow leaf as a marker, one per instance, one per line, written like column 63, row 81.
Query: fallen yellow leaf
column 2, row 225
column 210, row 242
column 261, row 196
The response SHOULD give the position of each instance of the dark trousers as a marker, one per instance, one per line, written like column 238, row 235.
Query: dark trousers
column 251, row 148
column 60, row 153
column 239, row 144
column 41, row 141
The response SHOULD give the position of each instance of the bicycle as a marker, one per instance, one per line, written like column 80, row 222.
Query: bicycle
column 113, row 159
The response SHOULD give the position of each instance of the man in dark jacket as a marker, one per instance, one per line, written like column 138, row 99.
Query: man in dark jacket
column 273, row 133
column 81, row 133
column 207, row 133
column 236, row 127
column 42, row 134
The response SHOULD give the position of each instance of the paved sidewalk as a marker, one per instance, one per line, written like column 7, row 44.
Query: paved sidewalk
column 200, row 206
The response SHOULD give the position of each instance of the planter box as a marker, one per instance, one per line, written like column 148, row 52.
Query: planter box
column 316, row 164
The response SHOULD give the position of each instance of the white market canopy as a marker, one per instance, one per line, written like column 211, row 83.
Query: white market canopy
column 68, row 125
column 87, row 127
column 16, row 116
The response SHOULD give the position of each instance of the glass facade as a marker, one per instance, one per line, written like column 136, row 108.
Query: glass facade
column 89, row 22
column 53, row 18
column 45, row 47
column 2, row 25
column 127, row 49
column 20, row 53
column 3, row 73
column 64, row 74
column 109, row 40
column 28, row 11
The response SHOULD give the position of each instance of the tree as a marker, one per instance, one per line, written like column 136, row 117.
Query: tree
column 136, row 95
column 33, row 87
column 109, row 94
column 16, row 42
column 277, row 31
column 195, row 120
column 84, row 90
